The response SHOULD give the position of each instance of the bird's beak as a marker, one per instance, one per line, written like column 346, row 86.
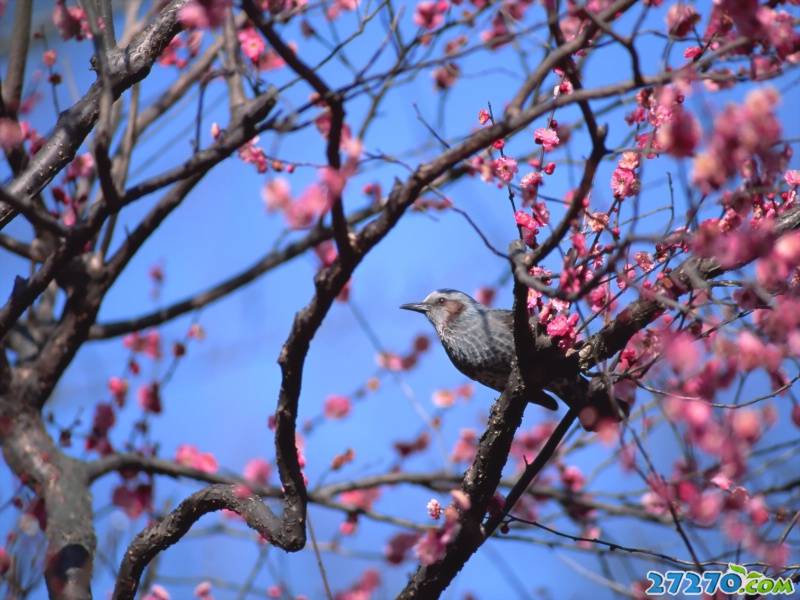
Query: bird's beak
column 420, row 307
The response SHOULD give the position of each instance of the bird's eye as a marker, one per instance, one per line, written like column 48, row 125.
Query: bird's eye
column 440, row 300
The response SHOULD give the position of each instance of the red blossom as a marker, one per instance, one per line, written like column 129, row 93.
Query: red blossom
column 681, row 18
column 119, row 389
column 398, row 547
column 189, row 456
column 149, row 397
column 71, row 21
column 337, row 407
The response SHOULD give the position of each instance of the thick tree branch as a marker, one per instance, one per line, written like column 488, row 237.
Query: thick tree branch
column 174, row 526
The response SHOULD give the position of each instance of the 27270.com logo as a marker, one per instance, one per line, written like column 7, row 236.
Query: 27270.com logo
column 736, row 580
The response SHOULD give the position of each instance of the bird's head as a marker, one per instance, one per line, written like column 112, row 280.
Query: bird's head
column 444, row 308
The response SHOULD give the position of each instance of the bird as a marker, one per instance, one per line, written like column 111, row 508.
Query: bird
column 480, row 343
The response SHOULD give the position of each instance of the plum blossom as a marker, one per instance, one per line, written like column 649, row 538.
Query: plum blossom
column 157, row 592
column 203, row 14
column 11, row 134
column 133, row 499
column 253, row 154
column 680, row 135
column 398, row 547
column 434, row 509
column 363, row 499
column 338, row 6
column 430, row 14
column 504, row 168
column 149, row 397
column 681, row 18
column 741, row 133
column 466, row 446
column 257, row 471
column 337, row 406
column 251, row 43
column 189, row 456
column 71, row 21
column 546, row 137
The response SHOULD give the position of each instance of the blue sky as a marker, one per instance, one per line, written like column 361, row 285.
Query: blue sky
column 224, row 390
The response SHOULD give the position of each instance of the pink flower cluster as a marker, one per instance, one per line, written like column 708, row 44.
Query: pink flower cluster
column 71, row 21
column 429, row 14
column 363, row 588
column 744, row 138
column 189, row 456
column 203, row 14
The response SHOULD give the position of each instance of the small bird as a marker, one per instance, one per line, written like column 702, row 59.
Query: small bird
column 480, row 343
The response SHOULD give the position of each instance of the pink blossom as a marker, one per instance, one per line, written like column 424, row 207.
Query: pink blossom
column 434, row 509
column 443, row 398
column 363, row 499
column 430, row 14
column 276, row 194
column 546, row 137
column 431, row 547
column 624, row 183
column 682, row 353
column 337, row 407
column 562, row 326
column 339, row 6
column 252, row 43
column 504, row 168
column 681, row 18
column 692, row 52
column 792, row 178
column 203, row 14
column 257, row 471
column 189, row 456
column 157, row 592
column 363, row 588
column 572, row 478
column 680, row 135
column 460, row 499
column 398, row 546
column 149, row 397
column 705, row 508
column 465, row 447
column 118, row 388
column 750, row 351
column 483, row 116
column 82, row 166
column 71, row 21
column 203, row 590
column 741, row 133
column 757, row 510
column 530, row 185
column 253, row 154
column 746, row 425
column 49, row 58
column 103, row 419
column 11, row 134
column 133, row 500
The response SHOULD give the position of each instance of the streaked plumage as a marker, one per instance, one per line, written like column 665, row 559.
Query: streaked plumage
column 479, row 340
